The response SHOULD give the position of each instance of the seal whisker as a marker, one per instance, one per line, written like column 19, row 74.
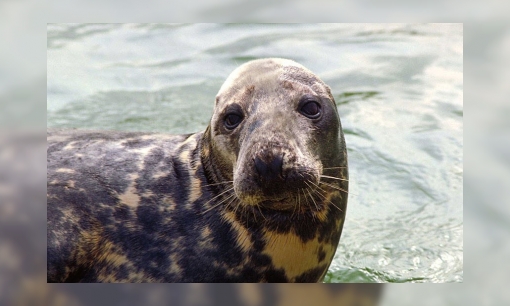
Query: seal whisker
column 231, row 201
column 217, row 204
column 324, row 197
column 296, row 208
column 237, row 205
column 313, row 200
column 334, row 187
column 225, row 182
column 317, row 186
column 254, row 215
column 260, row 211
column 225, row 191
column 240, row 209
column 335, row 178
column 307, row 204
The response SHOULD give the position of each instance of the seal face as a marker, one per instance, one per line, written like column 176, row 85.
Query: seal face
column 260, row 196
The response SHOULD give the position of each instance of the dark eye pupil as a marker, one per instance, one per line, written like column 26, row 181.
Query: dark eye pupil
column 232, row 120
column 311, row 110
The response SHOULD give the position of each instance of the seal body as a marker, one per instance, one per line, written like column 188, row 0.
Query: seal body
column 259, row 196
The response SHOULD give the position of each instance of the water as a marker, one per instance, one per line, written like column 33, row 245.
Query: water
column 399, row 91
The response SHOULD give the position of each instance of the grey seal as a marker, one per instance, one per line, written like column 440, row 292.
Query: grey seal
column 259, row 196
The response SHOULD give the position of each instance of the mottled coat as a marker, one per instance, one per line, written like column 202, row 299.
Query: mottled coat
column 260, row 200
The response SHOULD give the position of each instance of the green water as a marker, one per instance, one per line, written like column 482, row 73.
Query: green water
column 399, row 92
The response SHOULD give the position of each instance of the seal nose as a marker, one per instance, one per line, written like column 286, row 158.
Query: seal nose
column 269, row 169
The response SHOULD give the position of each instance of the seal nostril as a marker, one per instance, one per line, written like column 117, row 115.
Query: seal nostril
column 271, row 169
column 261, row 166
column 276, row 165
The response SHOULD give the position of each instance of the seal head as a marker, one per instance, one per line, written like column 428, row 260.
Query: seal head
column 274, row 130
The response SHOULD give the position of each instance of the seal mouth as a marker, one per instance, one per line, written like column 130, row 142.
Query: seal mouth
column 280, row 205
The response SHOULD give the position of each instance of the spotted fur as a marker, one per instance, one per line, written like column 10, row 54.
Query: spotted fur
column 143, row 207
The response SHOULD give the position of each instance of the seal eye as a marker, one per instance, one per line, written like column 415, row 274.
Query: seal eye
column 232, row 121
column 311, row 110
